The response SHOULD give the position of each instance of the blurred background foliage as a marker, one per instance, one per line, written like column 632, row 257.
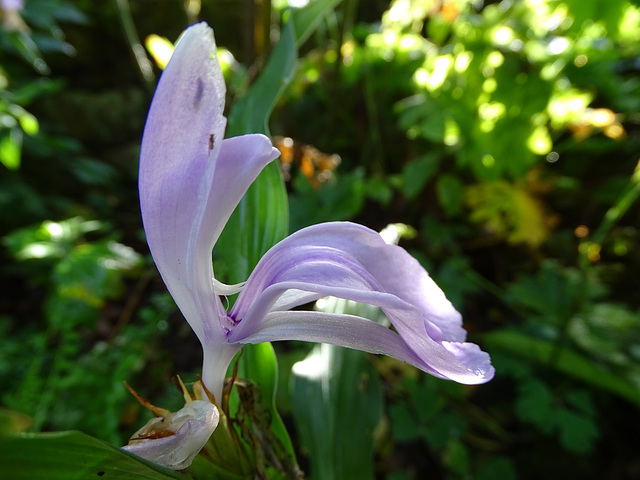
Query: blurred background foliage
column 502, row 137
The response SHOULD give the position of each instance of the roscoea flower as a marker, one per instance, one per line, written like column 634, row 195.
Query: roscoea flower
column 190, row 182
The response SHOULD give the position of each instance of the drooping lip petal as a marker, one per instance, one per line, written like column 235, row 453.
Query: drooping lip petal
column 368, row 336
column 193, row 425
column 353, row 262
column 337, row 329
column 350, row 253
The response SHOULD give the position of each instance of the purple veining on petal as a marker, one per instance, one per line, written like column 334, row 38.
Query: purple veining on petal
column 352, row 262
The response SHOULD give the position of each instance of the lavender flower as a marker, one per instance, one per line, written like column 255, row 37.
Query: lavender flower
column 190, row 182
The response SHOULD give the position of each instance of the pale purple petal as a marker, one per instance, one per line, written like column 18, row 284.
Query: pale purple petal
column 217, row 358
column 191, row 180
column 470, row 354
column 353, row 262
column 337, row 329
column 393, row 268
column 194, row 424
column 12, row 5
column 238, row 165
column 177, row 166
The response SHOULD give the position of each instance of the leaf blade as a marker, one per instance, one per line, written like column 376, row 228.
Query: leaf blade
column 72, row 454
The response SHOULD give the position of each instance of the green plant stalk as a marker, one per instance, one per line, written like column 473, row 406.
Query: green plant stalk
column 613, row 215
column 377, row 157
column 134, row 42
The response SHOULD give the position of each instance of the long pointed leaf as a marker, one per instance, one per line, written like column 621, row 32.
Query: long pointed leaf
column 261, row 219
column 72, row 455
column 336, row 430
column 307, row 18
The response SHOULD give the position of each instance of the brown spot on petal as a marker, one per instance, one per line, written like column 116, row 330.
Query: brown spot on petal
column 197, row 98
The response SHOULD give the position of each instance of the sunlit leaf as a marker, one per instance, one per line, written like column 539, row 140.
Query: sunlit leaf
column 29, row 123
column 160, row 48
column 539, row 142
column 508, row 210
column 335, row 430
column 10, row 152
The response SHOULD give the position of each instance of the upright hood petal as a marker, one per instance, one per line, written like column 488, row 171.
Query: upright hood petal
column 191, row 179
column 177, row 166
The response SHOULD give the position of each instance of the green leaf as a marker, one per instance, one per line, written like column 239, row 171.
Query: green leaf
column 29, row 123
column 261, row 218
column 497, row 467
column 27, row 93
column 10, row 151
column 444, row 429
column 417, row 173
column 259, row 364
column 72, row 455
column 258, row 223
column 336, row 430
column 450, row 193
column 427, row 400
column 13, row 421
column 581, row 401
column 535, row 404
column 456, row 457
column 204, row 469
column 404, row 426
column 608, row 331
column 562, row 359
column 333, row 201
column 577, row 432
column 307, row 18
column 250, row 114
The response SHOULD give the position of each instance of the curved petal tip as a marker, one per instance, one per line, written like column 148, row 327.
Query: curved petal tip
column 477, row 362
